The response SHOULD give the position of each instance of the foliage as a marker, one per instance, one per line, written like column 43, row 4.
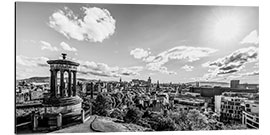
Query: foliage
column 234, row 127
column 192, row 120
column 161, row 123
column 86, row 100
column 133, row 115
column 102, row 105
column 117, row 113
column 215, row 125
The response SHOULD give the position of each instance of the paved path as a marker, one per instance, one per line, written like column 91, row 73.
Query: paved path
column 80, row 128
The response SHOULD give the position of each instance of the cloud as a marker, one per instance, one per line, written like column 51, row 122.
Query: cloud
column 130, row 71
column 232, row 63
column 159, row 68
column 94, row 24
column 256, row 65
column 251, row 38
column 32, row 61
column 188, row 68
column 156, row 63
column 48, row 46
column 139, row 53
column 254, row 73
column 101, row 69
column 66, row 47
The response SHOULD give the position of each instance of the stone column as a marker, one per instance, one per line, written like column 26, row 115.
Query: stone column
column 92, row 90
column 53, row 76
column 82, row 115
column 59, row 120
column 35, row 122
column 55, row 83
column 62, row 84
column 74, row 83
column 69, row 84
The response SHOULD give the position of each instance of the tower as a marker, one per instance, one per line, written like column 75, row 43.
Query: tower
column 235, row 83
column 149, row 80
column 158, row 87
column 148, row 85
column 64, row 99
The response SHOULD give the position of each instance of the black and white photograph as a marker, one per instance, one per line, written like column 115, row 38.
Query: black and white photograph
column 116, row 67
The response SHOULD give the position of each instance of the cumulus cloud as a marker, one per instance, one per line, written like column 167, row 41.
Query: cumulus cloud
column 251, row 38
column 101, row 69
column 232, row 63
column 48, row 46
column 139, row 53
column 188, row 68
column 159, row 68
column 94, row 24
column 32, row 61
column 66, row 47
column 156, row 63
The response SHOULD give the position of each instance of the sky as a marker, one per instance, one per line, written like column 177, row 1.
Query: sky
column 169, row 43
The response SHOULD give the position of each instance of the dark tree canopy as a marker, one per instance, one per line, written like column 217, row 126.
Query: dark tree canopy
column 102, row 105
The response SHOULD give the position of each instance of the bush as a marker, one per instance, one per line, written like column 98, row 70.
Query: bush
column 102, row 105
column 133, row 115
column 117, row 113
column 193, row 120
column 161, row 123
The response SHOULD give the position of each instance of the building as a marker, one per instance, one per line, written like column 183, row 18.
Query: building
column 248, row 86
column 212, row 92
column 207, row 92
column 250, row 116
column 187, row 103
column 235, row 83
column 228, row 105
column 63, row 101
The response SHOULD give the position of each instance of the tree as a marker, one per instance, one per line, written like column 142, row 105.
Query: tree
column 133, row 115
column 161, row 123
column 196, row 120
column 192, row 120
column 102, row 105
column 234, row 127
column 86, row 100
column 117, row 113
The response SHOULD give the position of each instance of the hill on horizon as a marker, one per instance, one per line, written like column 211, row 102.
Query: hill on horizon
column 46, row 79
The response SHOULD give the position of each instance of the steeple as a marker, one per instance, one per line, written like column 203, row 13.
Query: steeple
column 149, row 80
column 158, row 85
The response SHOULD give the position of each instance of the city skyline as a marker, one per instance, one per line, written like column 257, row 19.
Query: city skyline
column 170, row 43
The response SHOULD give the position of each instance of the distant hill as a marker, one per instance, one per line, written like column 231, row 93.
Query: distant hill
column 36, row 79
column 47, row 79
column 211, row 83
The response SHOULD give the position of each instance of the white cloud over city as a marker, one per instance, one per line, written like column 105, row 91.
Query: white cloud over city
column 139, row 53
column 156, row 63
column 94, row 25
column 47, row 46
column 67, row 47
column 102, row 69
column 187, row 68
column 251, row 38
column 32, row 61
column 232, row 63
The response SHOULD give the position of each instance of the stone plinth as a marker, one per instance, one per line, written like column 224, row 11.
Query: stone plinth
column 63, row 105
